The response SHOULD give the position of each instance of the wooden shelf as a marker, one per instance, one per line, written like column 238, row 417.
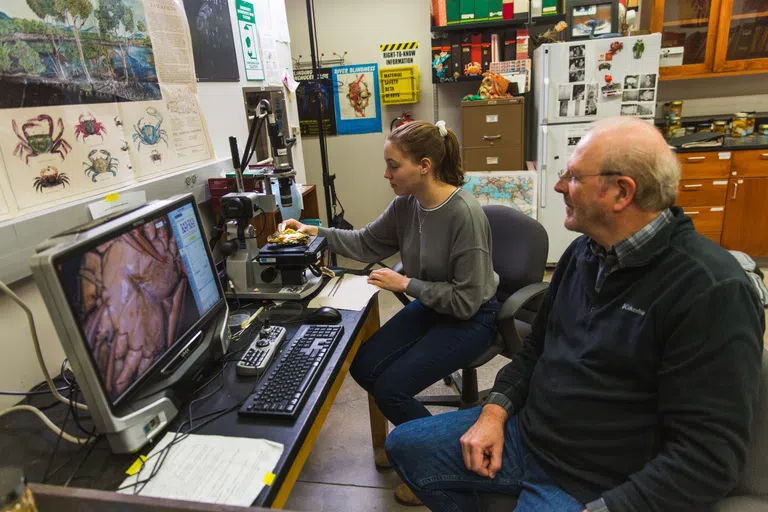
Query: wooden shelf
column 749, row 16
column 682, row 23
column 481, row 25
column 672, row 78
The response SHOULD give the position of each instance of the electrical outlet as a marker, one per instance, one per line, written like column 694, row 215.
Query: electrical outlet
column 295, row 131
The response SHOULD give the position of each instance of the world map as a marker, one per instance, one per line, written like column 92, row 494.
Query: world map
column 515, row 189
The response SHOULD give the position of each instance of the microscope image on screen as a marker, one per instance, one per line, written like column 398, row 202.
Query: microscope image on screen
column 133, row 300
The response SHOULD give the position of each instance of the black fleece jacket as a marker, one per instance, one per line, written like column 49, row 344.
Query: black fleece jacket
column 642, row 394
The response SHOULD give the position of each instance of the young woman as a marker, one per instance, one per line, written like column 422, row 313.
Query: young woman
column 444, row 241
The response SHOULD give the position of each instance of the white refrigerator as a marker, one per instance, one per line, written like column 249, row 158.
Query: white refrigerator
column 577, row 83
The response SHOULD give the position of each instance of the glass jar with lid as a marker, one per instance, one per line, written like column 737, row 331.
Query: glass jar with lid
column 739, row 125
column 762, row 129
column 720, row 126
column 751, row 122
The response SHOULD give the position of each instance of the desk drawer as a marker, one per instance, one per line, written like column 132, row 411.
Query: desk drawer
column 493, row 159
column 702, row 192
column 705, row 164
column 750, row 164
column 493, row 125
column 706, row 219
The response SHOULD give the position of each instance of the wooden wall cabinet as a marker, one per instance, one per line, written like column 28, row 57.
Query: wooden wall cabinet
column 718, row 37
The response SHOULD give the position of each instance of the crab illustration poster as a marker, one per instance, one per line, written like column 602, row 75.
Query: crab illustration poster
column 99, row 95
column 357, row 99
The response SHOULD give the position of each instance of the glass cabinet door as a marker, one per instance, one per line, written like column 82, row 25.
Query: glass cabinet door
column 742, row 42
column 687, row 35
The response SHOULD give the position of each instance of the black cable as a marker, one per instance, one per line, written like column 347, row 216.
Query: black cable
column 58, row 441
column 82, row 461
column 75, row 413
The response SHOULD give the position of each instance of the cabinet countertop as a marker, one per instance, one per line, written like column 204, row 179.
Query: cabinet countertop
column 733, row 144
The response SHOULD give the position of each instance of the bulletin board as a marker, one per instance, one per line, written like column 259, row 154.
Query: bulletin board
column 94, row 99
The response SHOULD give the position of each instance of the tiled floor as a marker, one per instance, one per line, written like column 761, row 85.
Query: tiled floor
column 339, row 475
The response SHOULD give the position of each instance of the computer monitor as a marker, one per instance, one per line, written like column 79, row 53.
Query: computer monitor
column 140, row 311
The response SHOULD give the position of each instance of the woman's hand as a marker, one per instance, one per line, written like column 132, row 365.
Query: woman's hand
column 297, row 226
column 388, row 279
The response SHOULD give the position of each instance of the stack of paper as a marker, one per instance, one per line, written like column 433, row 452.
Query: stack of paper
column 209, row 469
column 345, row 292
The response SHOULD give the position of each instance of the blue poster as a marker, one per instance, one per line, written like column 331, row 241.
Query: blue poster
column 358, row 107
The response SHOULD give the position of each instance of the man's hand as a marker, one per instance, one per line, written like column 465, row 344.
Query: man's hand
column 483, row 444
column 297, row 226
column 388, row 279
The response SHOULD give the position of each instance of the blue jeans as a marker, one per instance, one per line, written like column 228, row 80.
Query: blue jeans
column 427, row 455
column 415, row 349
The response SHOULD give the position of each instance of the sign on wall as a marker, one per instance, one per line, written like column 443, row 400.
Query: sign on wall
column 315, row 96
column 249, row 40
column 358, row 109
column 398, row 54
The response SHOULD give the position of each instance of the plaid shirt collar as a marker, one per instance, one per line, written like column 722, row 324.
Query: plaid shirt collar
column 615, row 257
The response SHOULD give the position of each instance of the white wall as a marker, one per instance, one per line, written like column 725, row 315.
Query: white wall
column 359, row 28
column 223, row 107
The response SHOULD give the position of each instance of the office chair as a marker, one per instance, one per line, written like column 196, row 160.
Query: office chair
column 751, row 493
column 520, row 246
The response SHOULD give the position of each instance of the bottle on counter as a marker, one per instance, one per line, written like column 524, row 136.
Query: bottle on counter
column 751, row 116
column 676, row 107
column 739, row 125
column 720, row 126
column 15, row 496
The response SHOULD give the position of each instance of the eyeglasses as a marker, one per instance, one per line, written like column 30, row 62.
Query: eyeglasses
column 565, row 174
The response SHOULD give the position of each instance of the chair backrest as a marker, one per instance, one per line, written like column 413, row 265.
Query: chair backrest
column 754, row 479
column 520, row 246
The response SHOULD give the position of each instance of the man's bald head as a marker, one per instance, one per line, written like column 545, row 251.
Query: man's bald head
column 636, row 149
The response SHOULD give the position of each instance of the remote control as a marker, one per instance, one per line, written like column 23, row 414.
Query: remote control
column 260, row 352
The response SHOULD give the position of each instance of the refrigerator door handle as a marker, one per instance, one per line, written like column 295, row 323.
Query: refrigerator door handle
column 545, row 95
column 543, row 166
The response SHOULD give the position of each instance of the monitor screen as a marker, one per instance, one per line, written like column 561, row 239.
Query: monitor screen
column 136, row 293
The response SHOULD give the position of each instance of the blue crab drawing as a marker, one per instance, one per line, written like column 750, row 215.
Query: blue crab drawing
column 148, row 133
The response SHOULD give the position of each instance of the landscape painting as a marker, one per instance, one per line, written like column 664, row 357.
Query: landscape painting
column 68, row 52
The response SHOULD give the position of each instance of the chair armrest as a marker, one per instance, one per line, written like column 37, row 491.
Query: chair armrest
column 398, row 267
column 524, row 296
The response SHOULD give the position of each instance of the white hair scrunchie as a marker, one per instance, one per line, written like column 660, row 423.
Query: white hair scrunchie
column 443, row 130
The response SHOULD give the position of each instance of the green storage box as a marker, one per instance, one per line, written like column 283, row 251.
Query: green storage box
column 482, row 10
column 548, row 7
column 467, row 11
column 453, row 11
column 495, row 9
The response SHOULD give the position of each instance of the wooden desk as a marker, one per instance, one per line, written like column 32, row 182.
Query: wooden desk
column 26, row 443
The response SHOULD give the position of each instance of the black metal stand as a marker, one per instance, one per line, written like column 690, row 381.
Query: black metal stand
column 328, row 179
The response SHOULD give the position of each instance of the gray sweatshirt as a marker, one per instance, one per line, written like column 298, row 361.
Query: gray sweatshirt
column 446, row 251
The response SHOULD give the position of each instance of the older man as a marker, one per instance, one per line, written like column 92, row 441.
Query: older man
column 636, row 389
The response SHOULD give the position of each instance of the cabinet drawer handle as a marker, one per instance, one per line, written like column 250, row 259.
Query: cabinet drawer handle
column 491, row 137
column 698, row 185
column 764, row 156
column 735, row 189
column 690, row 213
column 696, row 158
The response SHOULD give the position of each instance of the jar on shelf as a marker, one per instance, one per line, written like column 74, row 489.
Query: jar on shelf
column 676, row 107
column 673, row 125
column 720, row 126
column 739, row 125
column 762, row 129
column 751, row 122
column 690, row 129
column 704, row 127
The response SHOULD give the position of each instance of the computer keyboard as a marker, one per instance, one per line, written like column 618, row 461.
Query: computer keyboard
column 284, row 388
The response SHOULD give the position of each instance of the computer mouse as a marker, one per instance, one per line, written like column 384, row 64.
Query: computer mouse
column 324, row 315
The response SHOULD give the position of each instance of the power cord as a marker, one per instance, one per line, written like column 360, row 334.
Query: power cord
column 53, row 389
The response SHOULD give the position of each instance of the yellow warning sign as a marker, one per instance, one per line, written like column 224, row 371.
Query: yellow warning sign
column 394, row 54
column 399, row 85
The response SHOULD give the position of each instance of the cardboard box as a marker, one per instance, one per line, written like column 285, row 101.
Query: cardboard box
column 467, row 10
column 452, row 11
column 439, row 13
column 521, row 9
column 485, row 53
column 508, row 9
column 510, row 44
column 456, row 56
column 466, row 52
column 441, row 53
column 482, row 10
column 522, row 44
column 548, row 7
